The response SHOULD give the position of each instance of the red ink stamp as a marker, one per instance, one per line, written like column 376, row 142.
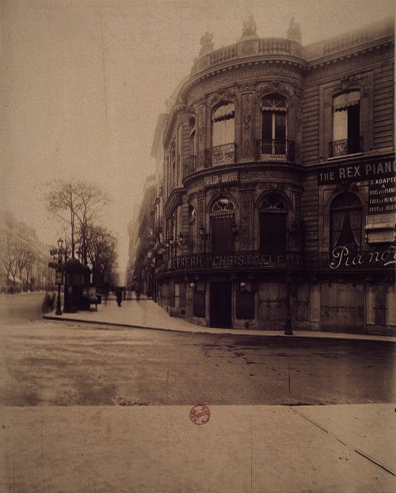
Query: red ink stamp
column 200, row 415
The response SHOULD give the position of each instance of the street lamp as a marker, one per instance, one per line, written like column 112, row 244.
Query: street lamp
column 59, row 275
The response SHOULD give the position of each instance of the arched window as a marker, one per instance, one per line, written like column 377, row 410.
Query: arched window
column 223, row 125
column 346, row 222
column 346, row 124
column 273, row 213
column 222, row 219
column 274, row 125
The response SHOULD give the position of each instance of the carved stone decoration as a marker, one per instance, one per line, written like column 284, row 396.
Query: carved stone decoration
column 249, row 27
column 346, row 82
column 294, row 31
column 206, row 44
column 223, row 94
column 247, row 126
column 246, row 221
column 201, row 213
column 276, row 87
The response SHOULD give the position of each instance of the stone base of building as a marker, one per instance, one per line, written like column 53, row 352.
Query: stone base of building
column 360, row 306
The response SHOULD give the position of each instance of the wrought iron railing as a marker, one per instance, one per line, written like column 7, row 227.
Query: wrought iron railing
column 345, row 147
column 277, row 149
column 224, row 154
column 190, row 165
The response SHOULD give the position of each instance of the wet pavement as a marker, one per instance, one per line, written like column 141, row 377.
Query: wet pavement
column 103, row 408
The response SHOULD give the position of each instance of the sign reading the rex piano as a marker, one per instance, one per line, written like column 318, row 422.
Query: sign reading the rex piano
column 357, row 172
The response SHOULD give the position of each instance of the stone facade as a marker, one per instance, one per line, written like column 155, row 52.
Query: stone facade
column 278, row 186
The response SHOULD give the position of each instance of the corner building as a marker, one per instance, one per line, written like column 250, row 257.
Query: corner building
column 277, row 189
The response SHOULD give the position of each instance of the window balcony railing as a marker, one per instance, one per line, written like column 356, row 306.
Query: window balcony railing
column 345, row 147
column 190, row 165
column 224, row 154
column 276, row 149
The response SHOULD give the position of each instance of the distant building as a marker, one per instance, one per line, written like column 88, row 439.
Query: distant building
column 24, row 258
column 141, row 233
column 274, row 204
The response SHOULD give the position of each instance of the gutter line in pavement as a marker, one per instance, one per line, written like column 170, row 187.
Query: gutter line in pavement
column 351, row 447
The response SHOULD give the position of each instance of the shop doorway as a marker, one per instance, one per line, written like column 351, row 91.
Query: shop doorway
column 220, row 305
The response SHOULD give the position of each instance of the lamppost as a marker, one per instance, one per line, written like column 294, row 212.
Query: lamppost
column 57, row 254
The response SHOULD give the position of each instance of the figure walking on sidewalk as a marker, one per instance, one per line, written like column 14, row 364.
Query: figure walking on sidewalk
column 137, row 291
column 119, row 296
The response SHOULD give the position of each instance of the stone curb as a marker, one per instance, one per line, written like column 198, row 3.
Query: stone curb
column 234, row 332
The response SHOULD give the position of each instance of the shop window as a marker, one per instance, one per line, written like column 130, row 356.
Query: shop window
column 346, row 124
column 346, row 222
column 222, row 220
column 223, row 125
column 273, row 214
column 274, row 125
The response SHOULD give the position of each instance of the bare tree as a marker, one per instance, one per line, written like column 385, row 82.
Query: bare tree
column 20, row 251
column 102, row 252
column 8, row 257
column 78, row 204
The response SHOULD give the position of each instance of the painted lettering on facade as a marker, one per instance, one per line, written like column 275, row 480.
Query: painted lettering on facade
column 382, row 195
column 289, row 260
column 356, row 172
column 222, row 178
column 342, row 257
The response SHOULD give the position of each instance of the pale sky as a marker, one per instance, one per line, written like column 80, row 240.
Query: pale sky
column 83, row 81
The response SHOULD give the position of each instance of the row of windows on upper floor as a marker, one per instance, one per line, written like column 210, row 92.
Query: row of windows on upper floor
column 275, row 142
column 345, row 228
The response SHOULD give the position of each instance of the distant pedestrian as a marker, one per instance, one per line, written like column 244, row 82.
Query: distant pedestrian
column 48, row 302
column 119, row 296
column 137, row 291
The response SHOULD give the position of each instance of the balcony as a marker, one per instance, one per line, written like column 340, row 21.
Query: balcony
column 277, row 150
column 224, row 154
column 345, row 147
column 265, row 47
column 190, row 165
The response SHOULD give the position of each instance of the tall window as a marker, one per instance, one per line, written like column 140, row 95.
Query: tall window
column 274, row 118
column 273, row 213
column 346, row 124
column 173, row 167
column 223, row 125
column 221, row 221
column 346, row 222
column 193, row 137
column 179, row 154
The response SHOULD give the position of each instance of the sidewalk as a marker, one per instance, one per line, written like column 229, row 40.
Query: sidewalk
column 147, row 314
column 158, row 449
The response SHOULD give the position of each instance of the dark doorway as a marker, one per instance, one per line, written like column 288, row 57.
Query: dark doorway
column 272, row 233
column 222, row 237
column 220, row 305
